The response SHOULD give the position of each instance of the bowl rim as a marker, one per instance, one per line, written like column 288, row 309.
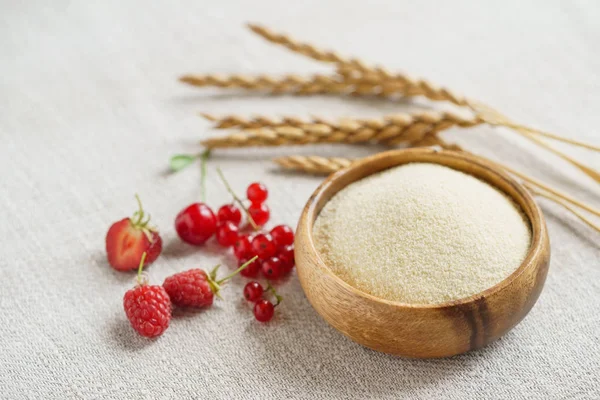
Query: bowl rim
column 309, row 215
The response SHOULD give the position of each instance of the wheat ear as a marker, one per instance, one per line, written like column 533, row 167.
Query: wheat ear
column 399, row 83
column 287, row 84
column 295, row 85
column 369, row 76
column 392, row 130
column 348, row 67
column 313, row 164
column 305, row 49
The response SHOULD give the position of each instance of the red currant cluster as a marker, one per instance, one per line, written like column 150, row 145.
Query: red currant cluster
column 197, row 223
column 273, row 251
column 263, row 308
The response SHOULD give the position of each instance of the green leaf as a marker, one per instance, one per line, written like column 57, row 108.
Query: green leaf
column 181, row 161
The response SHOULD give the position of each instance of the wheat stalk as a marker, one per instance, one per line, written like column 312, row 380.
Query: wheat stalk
column 354, row 77
column 358, row 78
column 527, row 133
column 355, row 71
column 486, row 113
column 391, row 130
column 317, row 165
column 349, row 67
column 371, row 85
column 372, row 80
column 564, row 203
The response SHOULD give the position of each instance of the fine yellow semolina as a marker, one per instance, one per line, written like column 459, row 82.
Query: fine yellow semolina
column 422, row 233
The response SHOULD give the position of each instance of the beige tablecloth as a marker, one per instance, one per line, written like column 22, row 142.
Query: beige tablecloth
column 91, row 110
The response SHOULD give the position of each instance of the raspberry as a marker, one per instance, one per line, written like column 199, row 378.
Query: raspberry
column 196, row 288
column 189, row 289
column 148, row 309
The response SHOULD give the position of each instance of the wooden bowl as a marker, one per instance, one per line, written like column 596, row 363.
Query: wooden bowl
column 412, row 330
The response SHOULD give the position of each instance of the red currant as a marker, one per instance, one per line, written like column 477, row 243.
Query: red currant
column 253, row 291
column 242, row 248
column 231, row 213
column 272, row 268
column 263, row 246
column 196, row 223
column 260, row 213
column 257, row 193
column 286, row 255
column 282, row 235
column 251, row 271
column 263, row 310
column 227, row 234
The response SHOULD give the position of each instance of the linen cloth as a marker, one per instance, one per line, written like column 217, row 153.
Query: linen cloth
column 91, row 111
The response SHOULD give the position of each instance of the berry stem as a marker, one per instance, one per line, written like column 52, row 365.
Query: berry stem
column 138, row 220
column 203, row 157
column 140, row 212
column 140, row 269
column 271, row 289
column 237, row 200
column 234, row 273
column 213, row 272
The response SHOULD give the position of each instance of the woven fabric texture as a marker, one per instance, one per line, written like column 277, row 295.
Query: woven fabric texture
column 91, row 110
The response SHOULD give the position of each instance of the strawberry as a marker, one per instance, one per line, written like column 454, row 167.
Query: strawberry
column 129, row 238
column 148, row 307
column 196, row 288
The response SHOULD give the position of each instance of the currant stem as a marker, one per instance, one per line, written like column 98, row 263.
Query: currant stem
column 141, row 268
column 271, row 289
column 234, row 273
column 203, row 157
column 237, row 200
